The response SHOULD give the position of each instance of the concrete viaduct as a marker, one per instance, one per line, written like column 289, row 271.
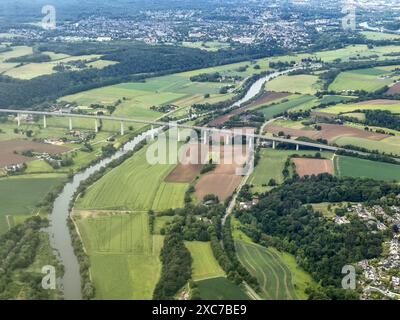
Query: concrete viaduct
column 205, row 130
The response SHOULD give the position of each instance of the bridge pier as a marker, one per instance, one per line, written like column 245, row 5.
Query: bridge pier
column 179, row 134
column 122, row 128
column 228, row 140
column 96, row 126
column 250, row 143
column 44, row 122
column 70, row 124
column 274, row 145
column 19, row 120
column 152, row 133
column 205, row 137
column 297, row 147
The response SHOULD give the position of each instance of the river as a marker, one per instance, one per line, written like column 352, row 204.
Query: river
column 60, row 237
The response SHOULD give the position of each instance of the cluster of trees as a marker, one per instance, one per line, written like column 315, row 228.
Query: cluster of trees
column 281, row 65
column 176, row 267
column 329, row 76
column 252, row 118
column 31, row 58
column 18, row 251
column 108, row 150
column 193, row 222
column 322, row 247
column 382, row 118
column 207, row 77
column 376, row 118
column 87, row 287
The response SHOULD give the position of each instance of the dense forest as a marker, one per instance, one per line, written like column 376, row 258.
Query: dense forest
column 284, row 219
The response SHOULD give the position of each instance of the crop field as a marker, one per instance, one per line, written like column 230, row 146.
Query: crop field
column 17, row 51
column 354, row 167
column 207, row 45
column 124, row 256
column 389, row 145
column 204, row 266
column 29, row 71
column 271, row 165
column 136, row 185
column 20, row 195
column 389, row 105
column 327, row 208
column 309, row 167
column 10, row 151
column 224, row 180
column 161, row 222
column 329, row 132
column 304, row 84
column 370, row 35
column 344, row 54
column 294, row 102
column 335, row 99
column 365, row 79
column 276, row 278
column 220, row 289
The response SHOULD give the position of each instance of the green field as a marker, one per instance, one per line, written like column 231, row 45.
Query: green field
column 29, row 71
column 279, row 275
column 294, row 102
column 20, row 195
column 377, row 36
column 364, row 79
column 160, row 222
column 360, row 168
column 205, row 266
column 389, row 145
column 124, row 256
column 138, row 98
column 304, row 84
column 136, row 185
column 271, row 165
column 335, row 99
column 208, row 45
column 346, row 108
column 220, row 289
